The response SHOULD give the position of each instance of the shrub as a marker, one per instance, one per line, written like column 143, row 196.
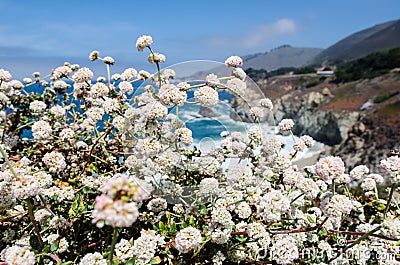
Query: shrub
column 383, row 97
column 90, row 177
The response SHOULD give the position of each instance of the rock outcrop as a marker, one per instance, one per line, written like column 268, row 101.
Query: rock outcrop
column 208, row 112
column 240, row 106
column 328, row 127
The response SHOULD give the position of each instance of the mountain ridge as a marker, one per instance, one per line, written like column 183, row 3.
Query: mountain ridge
column 376, row 38
column 379, row 37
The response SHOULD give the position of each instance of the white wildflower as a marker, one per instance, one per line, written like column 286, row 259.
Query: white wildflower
column 41, row 130
column 234, row 61
column 55, row 161
column 237, row 87
column 37, row 106
column 93, row 259
column 207, row 96
column 187, row 239
column 143, row 42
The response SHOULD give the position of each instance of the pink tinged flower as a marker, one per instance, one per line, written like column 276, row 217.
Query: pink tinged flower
column 307, row 140
column 55, row 161
column 187, row 239
column 117, row 213
column 391, row 167
column 336, row 206
column 84, row 74
column 16, row 84
column 309, row 187
column 329, row 168
column 256, row 112
column 285, row 125
column 129, row 74
column 156, row 58
column 5, row 76
column 207, row 96
column 18, row 255
column 171, row 95
column 62, row 71
column 299, row 146
column 41, row 130
column 108, row 60
column 358, row 172
column 234, row 61
column 144, row 75
column 237, row 87
column 266, row 103
column 212, row 80
column 126, row 87
column 239, row 73
column 184, row 135
column 143, row 42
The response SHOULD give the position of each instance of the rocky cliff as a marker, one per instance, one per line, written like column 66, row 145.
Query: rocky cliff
column 324, row 126
column 360, row 121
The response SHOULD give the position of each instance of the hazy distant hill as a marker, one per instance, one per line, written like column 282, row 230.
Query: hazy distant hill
column 283, row 56
column 376, row 38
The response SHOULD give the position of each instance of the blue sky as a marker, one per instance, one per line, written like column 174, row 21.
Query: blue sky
column 40, row 35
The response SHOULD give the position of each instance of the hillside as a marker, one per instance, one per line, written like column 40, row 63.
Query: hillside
column 284, row 56
column 376, row 38
column 359, row 120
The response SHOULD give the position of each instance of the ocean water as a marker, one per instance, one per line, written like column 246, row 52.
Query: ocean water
column 206, row 131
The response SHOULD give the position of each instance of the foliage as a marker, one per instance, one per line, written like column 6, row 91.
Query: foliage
column 370, row 66
column 383, row 97
column 92, row 175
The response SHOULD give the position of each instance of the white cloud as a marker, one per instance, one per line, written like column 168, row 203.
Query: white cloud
column 269, row 32
column 259, row 38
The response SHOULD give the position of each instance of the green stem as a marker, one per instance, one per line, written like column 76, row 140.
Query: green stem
column 32, row 218
column 25, row 125
column 192, row 103
column 108, row 75
column 333, row 187
column 226, row 77
column 158, row 68
column 196, row 86
column 291, row 133
column 5, row 122
column 113, row 242
column 389, row 199
column 177, row 116
column 5, row 156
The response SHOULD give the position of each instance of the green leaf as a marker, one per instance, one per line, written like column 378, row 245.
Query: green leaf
column 74, row 205
column 71, row 212
column 241, row 239
column 191, row 220
column 310, row 219
column 323, row 232
column 381, row 207
column 161, row 226
column 183, row 225
column 173, row 228
column 203, row 209
column 155, row 260
column 54, row 246
column 130, row 262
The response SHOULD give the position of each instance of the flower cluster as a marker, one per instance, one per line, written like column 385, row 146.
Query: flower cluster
column 117, row 207
column 97, row 170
